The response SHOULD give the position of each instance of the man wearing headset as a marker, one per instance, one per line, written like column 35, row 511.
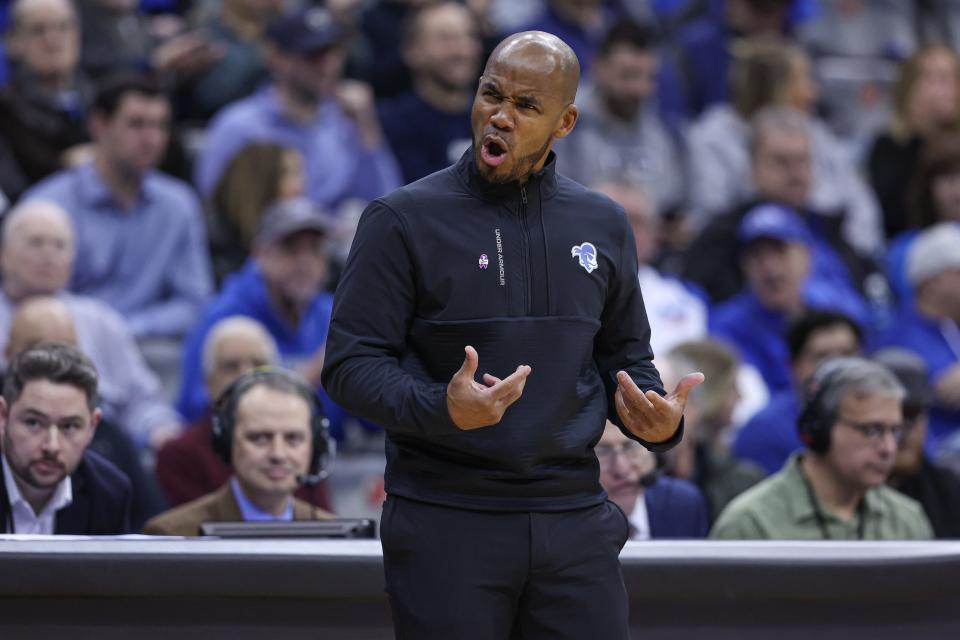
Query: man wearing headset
column 851, row 424
column 268, row 426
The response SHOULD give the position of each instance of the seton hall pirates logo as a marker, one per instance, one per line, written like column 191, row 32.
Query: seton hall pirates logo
column 587, row 253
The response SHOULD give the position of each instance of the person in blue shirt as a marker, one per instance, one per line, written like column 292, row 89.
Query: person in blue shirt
column 280, row 286
column 141, row 243
column 929, row 326
column 307, row 106
column 428, row 128
column 775, row 257
column 770, row 436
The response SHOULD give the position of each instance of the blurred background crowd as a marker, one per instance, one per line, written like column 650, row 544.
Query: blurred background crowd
column 180, row 181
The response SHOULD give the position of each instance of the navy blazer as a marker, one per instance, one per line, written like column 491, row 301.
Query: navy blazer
column 676, row 509
column 101, row 500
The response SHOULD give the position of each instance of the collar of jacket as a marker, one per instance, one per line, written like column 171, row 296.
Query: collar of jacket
column 545, row 180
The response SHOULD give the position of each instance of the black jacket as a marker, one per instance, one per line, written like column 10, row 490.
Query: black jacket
column 452, row 260
column 101, row 501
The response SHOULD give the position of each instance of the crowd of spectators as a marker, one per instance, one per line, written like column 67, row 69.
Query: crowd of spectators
column 180, row 181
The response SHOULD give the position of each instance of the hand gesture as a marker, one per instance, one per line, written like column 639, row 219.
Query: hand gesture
column 473, row 405
column 650, row 416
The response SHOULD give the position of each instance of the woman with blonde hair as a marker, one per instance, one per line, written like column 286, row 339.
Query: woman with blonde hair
column 258, row 175
column 926, row 102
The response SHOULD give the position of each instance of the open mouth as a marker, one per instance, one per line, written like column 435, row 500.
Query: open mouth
column 493, row 152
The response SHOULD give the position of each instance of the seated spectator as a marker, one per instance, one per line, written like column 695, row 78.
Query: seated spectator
column 36, row 257
column 702, row 457
column 428, row 128
column 851, row 423
column 187, row 466
column 935, row 487
column 44, row 319
column 271, row 430
column 926, row 102
column 281, row 287
column 934, row 196
column 619, row 132
column 770, row 73
column 781, row 168
column 51, row 483
column 259, row 175
column 141, row 244
column 770, row 436
column 234, row 39
column 42, row 108
column 333, row 123
column 675, row 309
column 775, row 257
column 656, row 505
column 929, row 327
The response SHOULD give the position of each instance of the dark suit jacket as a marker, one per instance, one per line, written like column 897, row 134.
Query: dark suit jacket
column 101, row 500
column 219, row 506
column 676, row 509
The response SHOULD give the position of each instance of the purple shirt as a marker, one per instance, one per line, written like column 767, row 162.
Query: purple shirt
column 338, row 166
column 253, row 513
column 150, row 261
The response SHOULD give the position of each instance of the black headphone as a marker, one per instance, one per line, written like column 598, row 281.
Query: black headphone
column 816, row 422
column 225, row 408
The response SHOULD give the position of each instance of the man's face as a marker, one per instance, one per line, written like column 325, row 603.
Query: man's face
column 833, row 341
column 295, row 267
column 47, row 38
column 237, row 353
column 776, row 271
column 945, row 189
column 626, row 77
column 447, row 48
column 135, row 137
column 310, row 77
column 863, row 447
column 782, row 167
column 37, row 256
column 518, row 112
column 45, row 433
column 622, row 463
column 944, row 287
column 272, row 442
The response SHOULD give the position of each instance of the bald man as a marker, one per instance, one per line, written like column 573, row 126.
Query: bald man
column 489, row 317
column 36, row 257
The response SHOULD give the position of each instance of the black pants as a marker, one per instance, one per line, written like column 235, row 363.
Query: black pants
column 454, row 574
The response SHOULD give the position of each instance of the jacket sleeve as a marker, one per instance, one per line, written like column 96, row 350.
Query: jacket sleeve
column 373, row 309
column 623, row 342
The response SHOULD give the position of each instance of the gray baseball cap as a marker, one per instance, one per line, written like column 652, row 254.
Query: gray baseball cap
column 286, row 217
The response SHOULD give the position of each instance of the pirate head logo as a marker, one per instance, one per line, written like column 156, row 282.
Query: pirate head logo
column 587, row 253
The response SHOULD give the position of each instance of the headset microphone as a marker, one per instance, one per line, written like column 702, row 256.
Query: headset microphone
column 324, row 465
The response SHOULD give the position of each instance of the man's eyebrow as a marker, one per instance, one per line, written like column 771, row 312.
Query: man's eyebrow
column 489, row 84
column 529, row 99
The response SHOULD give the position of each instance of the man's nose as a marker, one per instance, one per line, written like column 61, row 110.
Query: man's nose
column 502, row 119
column 51, row 443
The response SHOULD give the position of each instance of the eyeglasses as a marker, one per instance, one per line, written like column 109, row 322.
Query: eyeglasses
column 876, row 431
column 632, row 451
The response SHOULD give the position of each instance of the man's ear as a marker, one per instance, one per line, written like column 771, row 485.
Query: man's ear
column 96, row 122
column 567, row 122
column 3, row 417
column 95, row 419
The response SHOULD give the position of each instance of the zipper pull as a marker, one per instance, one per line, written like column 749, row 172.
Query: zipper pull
column 523, row 194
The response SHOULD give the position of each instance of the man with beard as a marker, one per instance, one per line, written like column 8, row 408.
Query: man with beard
column 442, row 49
column 307, row 106
column 495, row 523
column 51, row 483
column 851, row 424
column 620, row 134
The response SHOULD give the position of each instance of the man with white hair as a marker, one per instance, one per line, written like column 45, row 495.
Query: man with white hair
column 929, row 326
column 36, row 257
column 187, row 466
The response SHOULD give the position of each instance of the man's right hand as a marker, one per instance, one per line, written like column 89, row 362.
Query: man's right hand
column 473, row 405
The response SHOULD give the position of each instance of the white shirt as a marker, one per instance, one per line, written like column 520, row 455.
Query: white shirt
column 639, row 520
column 24, row 519
column 675, row 314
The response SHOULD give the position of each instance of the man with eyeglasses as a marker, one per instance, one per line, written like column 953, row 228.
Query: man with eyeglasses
column 851, row 425
column 656, row 506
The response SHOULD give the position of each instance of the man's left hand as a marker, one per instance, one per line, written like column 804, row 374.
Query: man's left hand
column 650, row 416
